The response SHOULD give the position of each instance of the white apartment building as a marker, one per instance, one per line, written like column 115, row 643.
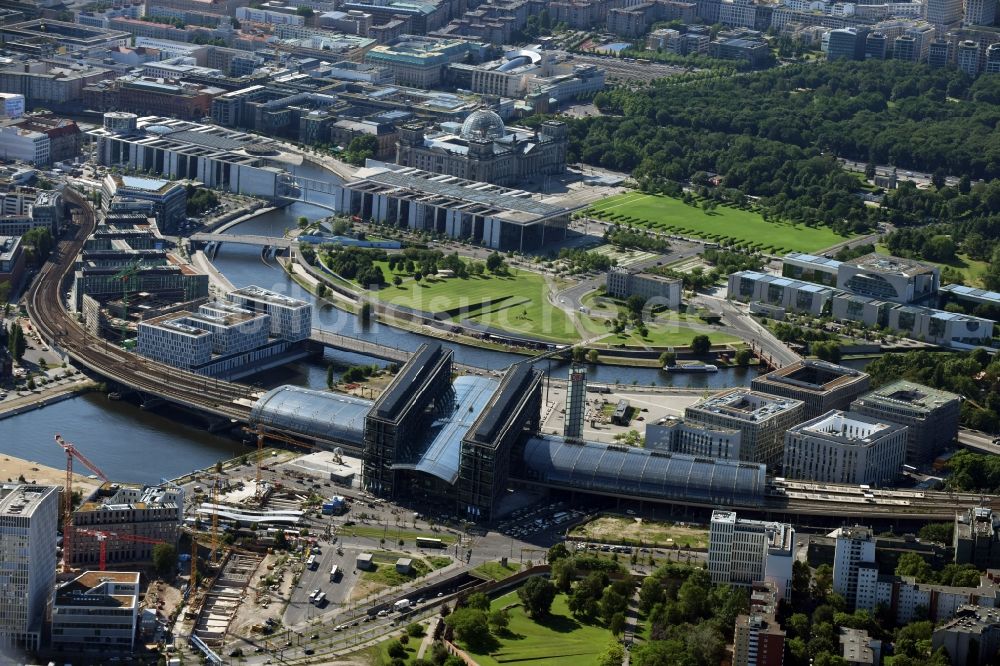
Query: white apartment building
column 268, row 16
column 96, row 612
column 658, row 290
column 855, row 546
column 742, row 552
column 13, row 105
column 291, row 319
column 842, row 447
column 907, row 599
column 28, row 524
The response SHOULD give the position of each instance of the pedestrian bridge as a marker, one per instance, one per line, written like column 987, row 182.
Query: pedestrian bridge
column 245, row 239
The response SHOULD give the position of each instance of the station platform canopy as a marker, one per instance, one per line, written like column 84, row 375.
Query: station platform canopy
column 332, row 418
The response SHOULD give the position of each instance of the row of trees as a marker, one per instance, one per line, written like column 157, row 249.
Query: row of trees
column 16, row 342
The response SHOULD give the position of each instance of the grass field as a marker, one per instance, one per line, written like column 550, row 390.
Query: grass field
column 558, row 640
column 516, row 303
column 745, row 228
column 616, row 529
column 497, row 571
column 670, row 335
column 385, row 569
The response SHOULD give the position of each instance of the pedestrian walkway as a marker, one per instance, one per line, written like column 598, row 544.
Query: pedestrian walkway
column 428, row 637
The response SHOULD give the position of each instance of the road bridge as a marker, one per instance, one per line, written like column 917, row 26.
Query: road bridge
column 245, row 239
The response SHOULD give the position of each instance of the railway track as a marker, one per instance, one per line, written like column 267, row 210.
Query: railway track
column 63, row 331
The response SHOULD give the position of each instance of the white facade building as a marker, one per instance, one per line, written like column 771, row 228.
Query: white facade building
column 291, row 319
column 855, row 546
column 13, row 105
column 842, row 447
column 742, row 552
column 96, row 612
column 658, row 290
column 268, row 16
column 170, row 339
column 28, row 524
column 24, row 145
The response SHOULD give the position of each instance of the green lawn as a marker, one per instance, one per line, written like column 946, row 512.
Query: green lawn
column 497, row 571
column 670, row 335
column 559, row 640
column 385, row 569
column 747, row 228
column 622, row 529
column 516, row 303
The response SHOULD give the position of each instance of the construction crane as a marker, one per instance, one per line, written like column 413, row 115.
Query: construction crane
column 261, row 434
column 102, row 539
column 72, row 452
column 125, row 275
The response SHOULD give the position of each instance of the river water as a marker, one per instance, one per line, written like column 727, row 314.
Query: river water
column 130, row 444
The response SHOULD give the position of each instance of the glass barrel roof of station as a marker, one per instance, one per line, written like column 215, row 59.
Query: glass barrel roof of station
column 331, row 417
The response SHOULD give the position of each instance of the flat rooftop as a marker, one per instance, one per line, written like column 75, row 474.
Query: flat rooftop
column 744, row 405
column 410, row 379
column 972, row 293
column 268, row 296
column 909, row 393
column 814, row 376
column 23, row 499
column 881, row 263
column 846, row 428
column 822, row 263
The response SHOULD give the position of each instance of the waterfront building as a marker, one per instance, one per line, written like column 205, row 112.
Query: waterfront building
column 820, row 385
column 169, row 199
column 657, row 290
column 291, row 318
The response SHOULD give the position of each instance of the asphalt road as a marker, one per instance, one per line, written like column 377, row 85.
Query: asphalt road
column 744, row 326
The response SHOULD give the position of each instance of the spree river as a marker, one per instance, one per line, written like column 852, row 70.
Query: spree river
column 130, row 444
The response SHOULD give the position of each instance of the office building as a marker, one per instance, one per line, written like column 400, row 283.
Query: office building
column 11, row 261
column 656, row 290
column 847, row 44
column 876, row 46
column 944, row 14
column 980, row 12
column 940, row 327
column 487, row 449
column 939, row 54
column 857, row 648
column 758, row 639
column 421, row 61
column 231, row 331
column 810, row 268
column 906, row 48
column 753, row 50
column 762, row 420
column 215, row 156
column 971, row 637
column 778, row 294
column 499, row 218
column 742, row 552
column 821, row 386
column 992, row 59
column 484, row 149
column 676, row 435
column 291, row 319
column 44, row 36
column 269, row 16
column 931, row 415
column 967, row 57
column 841, row 447
column 24, row 145
column 519, row 73
column 49, row 84
column 169, row 199
column 154, row 513
column 976, row 538
column 13, row 105
column 95, row 614
column 576, row 403
column 29, row 517
column 152, row 96
column 892, row 279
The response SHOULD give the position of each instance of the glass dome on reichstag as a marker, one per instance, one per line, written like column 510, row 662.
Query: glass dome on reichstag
column 483, row 124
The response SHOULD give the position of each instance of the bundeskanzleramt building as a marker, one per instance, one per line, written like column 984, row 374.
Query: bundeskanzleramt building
column 28, row 524
column 822, row 386
column 742, row 552
column 841, row 447
column 658, row 290
column 484, row 149
column 152, row 512
column 96, row 613
column 931, row 415
column 762, row 420
column 779, row 294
